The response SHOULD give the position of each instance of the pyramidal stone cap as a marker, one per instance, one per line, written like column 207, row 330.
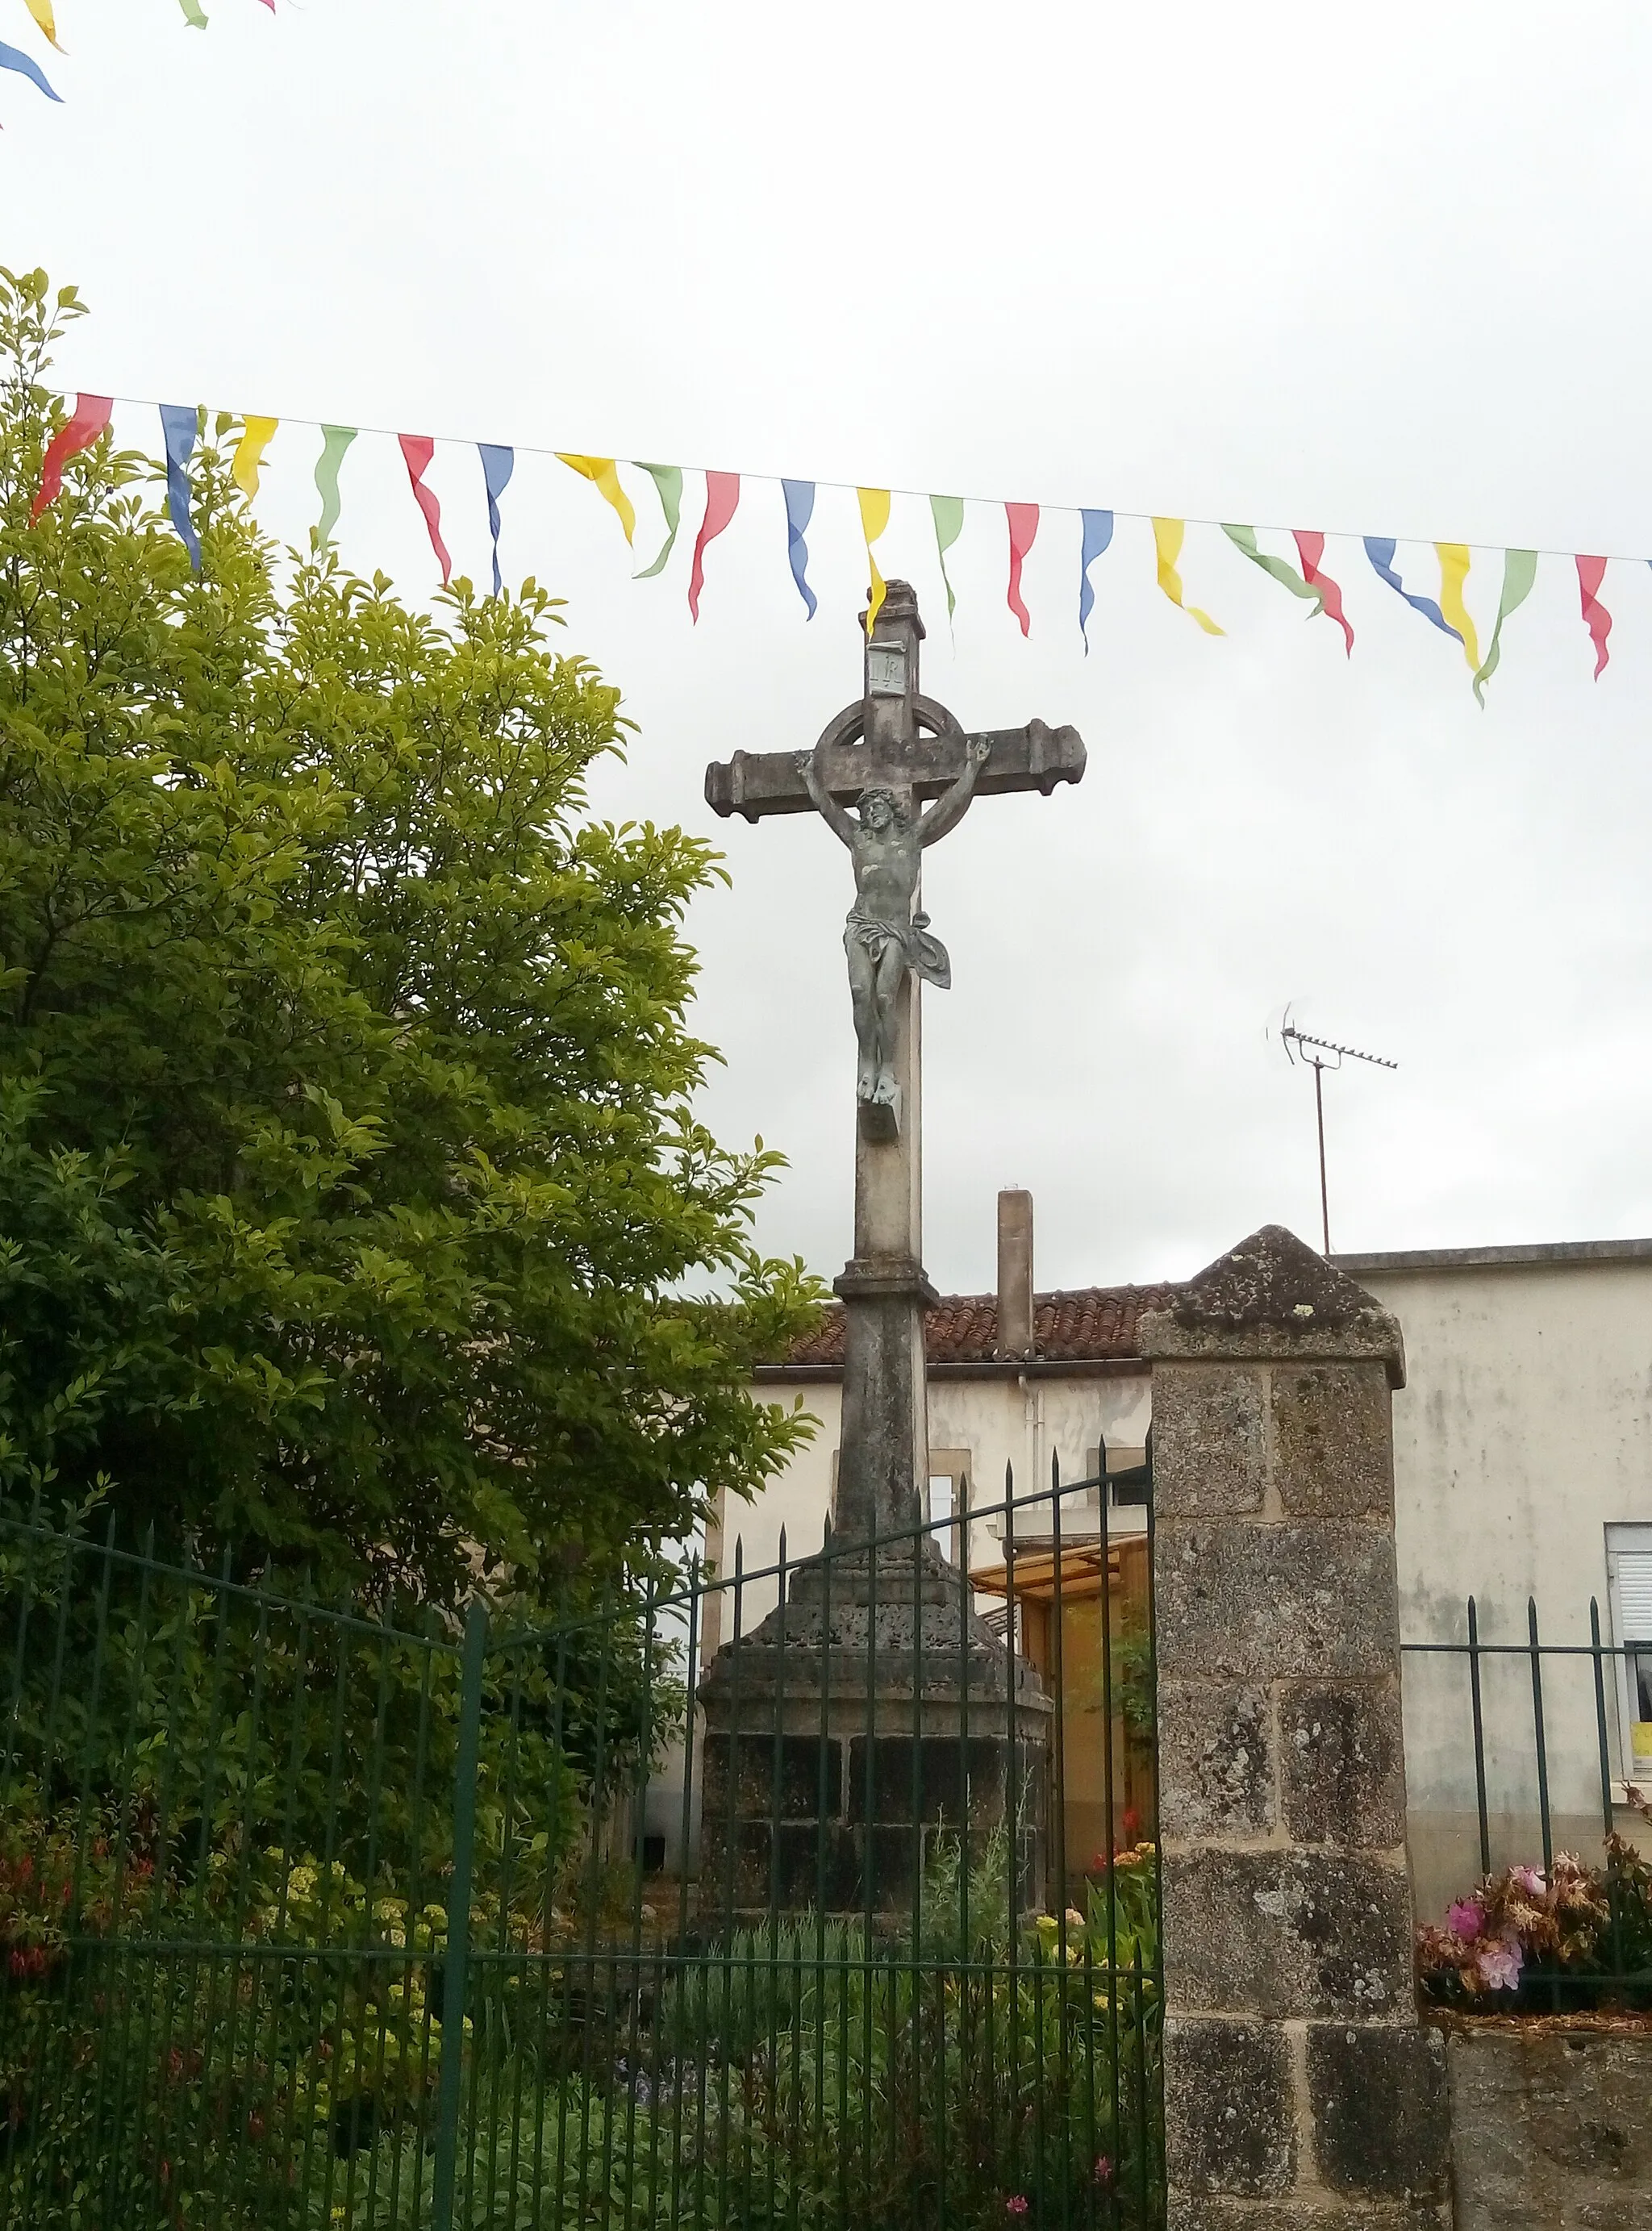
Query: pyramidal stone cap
column 1272, row 1297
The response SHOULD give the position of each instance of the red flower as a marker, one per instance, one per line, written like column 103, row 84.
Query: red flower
column 1016, row 2204
column 1104, row 2169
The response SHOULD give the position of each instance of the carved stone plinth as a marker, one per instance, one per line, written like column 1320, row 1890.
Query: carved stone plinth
column 870, row 1715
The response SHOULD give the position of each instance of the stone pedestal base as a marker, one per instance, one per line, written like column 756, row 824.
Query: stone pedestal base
column 869, row 1716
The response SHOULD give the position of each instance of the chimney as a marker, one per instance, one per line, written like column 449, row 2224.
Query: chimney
column 1014, row 1274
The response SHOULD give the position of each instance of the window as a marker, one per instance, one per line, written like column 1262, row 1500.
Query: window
column 948, row 1497
column 1126, row 1476
column 1629, row 1573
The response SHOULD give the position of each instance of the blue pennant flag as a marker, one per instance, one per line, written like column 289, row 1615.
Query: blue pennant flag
column 800, row 509
column 1379, row 548
column 1098, row 533
column 497, row 466
column 177, row 425
column 13, row 58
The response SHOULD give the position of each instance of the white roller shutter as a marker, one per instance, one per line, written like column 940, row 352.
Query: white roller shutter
column 1635, row 1595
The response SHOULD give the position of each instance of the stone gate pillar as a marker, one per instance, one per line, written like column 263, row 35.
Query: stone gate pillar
column 1301, row 2092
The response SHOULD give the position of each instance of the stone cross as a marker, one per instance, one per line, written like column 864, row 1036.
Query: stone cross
column 891, row 753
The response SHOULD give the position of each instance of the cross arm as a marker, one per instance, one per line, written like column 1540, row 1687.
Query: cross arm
column 756, row 783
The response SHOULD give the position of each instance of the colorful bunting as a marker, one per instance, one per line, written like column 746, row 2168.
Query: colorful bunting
column 13, row 58
column 335, row 440
column 85, row 424
column 800, row 509
column 1098, row 533
column 874, row 518
column 418, row 449
column 1454, row 571
column 603, row 475
column 722, row 497
column 90, row 420
column 1023, row 533
column 180, row 424
column 1311, row 548
column 668, row 485
column 497, row 466
column 1380, row 549
column 255, row 436
column 1167, row 543
column 1244, row 539
column 1591, row 572
column 947, row 512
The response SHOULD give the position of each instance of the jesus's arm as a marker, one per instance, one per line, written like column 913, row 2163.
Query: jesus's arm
column 949, row 811
column 831, row 812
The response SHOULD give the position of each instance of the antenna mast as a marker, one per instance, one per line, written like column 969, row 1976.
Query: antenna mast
column 1295, row 1042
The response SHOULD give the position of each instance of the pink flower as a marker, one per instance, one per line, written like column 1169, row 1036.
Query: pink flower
column 1500, row 1965
column 1530, row 1880
column 1104, row 2169
column 1016, row 2204
column 1466, row 1919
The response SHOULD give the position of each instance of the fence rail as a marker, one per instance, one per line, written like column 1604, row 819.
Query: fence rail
column 327, row 1914
column 1560, row 1916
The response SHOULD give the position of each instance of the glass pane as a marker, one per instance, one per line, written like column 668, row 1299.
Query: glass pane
column 941, row 1506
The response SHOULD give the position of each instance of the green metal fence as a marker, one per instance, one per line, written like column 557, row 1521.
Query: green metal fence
column 326, row 1914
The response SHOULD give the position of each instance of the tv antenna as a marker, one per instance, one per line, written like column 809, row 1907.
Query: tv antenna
column 1327, row 1055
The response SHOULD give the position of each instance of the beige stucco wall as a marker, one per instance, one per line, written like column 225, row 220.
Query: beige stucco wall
column 1524, row 1432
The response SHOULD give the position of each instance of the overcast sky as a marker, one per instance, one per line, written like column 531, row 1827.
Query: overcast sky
column 1373, row 270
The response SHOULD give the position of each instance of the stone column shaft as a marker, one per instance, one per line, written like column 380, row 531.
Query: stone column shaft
column 1302, row 2094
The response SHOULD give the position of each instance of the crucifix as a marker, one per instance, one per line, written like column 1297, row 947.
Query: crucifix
column 910, row 771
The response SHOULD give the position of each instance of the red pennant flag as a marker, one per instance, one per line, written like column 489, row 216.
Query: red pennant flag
column 90, row 420
column 721, row 494
column 418, row 449
column 1591, row 572
column 1311, row 548
column 1023, row 528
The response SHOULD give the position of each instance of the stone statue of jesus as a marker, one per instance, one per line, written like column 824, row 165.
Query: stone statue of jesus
column 883, row 937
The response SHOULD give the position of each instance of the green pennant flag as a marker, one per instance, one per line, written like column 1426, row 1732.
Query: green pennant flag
column 192, row 13
column 947, row 511
column 335, row 440
column 668, row 482
column 1519, row 571
column 1244, row 539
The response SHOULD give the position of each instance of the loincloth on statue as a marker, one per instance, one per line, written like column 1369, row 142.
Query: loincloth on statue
column 925, row 955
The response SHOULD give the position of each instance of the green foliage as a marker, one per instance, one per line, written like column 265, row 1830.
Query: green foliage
column 350, row 1189
column 804, row 2075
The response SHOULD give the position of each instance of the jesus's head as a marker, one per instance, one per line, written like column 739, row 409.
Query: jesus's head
column 880, row 809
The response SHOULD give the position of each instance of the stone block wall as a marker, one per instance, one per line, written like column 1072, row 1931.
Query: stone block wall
column 1552, row 2130
column 1301, row 2091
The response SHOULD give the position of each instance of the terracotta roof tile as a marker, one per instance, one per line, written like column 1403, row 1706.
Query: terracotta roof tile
column 1094, row 1323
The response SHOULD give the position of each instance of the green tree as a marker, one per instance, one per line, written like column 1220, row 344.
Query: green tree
column 351, row 1195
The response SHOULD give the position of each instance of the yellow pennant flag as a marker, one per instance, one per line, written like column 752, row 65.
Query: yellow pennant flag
column 874, row 518
column 1454, row 571
column 604, row 476
column 250, row 453
column 1167, row 541
column 42, row 12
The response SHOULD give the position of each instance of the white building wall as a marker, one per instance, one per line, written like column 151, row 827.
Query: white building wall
column 1524, row 1430
column 993, row 1422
